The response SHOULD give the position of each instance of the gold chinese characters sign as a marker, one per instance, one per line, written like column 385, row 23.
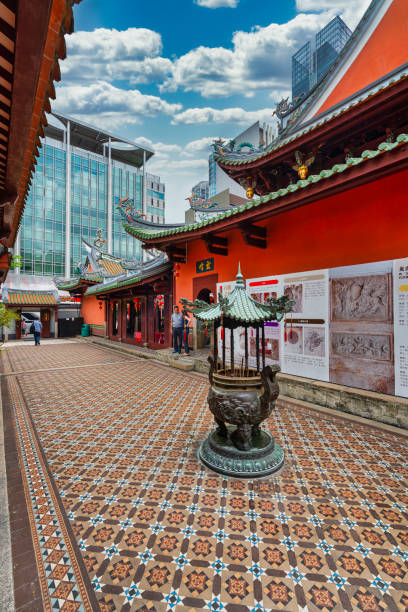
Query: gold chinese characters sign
column 205, row 265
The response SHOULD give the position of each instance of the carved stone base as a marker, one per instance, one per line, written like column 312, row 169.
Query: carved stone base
column 219, row 454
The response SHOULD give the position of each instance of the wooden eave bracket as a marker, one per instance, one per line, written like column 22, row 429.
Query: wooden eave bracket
column 216, row 244
column 176, row 254
column 254, row 235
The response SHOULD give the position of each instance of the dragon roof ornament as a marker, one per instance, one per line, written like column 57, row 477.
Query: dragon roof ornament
column 222, row 148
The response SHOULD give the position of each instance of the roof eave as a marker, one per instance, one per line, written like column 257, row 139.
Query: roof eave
column 382, row 165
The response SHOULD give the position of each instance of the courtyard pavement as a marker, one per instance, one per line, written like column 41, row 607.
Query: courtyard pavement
column 110, row 509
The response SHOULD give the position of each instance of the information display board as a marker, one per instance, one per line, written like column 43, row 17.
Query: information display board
column 401, row 326
column 349, row 325
column 306, row 340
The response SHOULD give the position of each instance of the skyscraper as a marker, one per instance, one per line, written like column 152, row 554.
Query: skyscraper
column 312, row 61
column 80, row 175
column 201, row 190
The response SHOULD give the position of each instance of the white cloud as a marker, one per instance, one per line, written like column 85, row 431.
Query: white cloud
column 104, row 104
column 133, row 54
column 180, row 167
column 200, row 146
column 226, row 115
column 213, row 4
column 259, row 59
column 350, row 11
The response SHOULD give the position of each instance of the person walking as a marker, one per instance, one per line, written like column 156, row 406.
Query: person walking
column 37, row 331
column 177, row 322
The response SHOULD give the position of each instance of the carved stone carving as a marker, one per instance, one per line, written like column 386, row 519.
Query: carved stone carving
column 370, row 346
column 361, row 298
column 244, row 407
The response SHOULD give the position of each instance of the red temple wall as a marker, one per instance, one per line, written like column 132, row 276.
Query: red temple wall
column 91, row 312
column 365, row 224
column 384, row 51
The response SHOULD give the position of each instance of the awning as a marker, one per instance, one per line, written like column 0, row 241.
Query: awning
column 31, row 298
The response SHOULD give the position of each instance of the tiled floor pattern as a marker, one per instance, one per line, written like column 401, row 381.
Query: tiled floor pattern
column 158, row 532
column 28, row 357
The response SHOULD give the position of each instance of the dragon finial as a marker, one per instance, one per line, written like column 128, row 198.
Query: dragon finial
column 99, row 240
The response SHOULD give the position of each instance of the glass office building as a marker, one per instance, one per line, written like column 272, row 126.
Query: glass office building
column 314, row 59
column 201, row 190
column 80, row 175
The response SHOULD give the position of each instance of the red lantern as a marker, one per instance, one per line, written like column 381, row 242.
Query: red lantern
column 112, row 305
column 176, row 268
column 100, row 304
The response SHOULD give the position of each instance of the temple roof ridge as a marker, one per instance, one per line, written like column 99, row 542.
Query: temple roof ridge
column 235, row 158
column 384, row 147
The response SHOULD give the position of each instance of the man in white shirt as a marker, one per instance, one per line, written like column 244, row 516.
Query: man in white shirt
column 177, row 323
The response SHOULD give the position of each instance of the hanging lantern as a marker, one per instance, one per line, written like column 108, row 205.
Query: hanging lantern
column 112, row 305
column 206, row 329
column 100, row 304
column 176, row 268
column 211, row 298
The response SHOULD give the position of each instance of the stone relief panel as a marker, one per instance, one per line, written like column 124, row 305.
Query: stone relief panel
column 361, row 298
column 368, row 346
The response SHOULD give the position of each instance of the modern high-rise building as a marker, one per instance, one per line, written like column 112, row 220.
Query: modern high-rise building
column 200, row 190
column 81, row 173
column 312, row 61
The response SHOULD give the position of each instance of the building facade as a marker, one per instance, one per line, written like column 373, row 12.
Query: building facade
column 201, row 190
column 312, row 61
column 219, row 180
column 80, row 176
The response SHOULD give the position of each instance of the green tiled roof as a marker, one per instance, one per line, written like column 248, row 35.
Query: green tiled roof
column 289, row 136
column 150, row 234
column 240, row 307
column 113, row 285
column 72, row 283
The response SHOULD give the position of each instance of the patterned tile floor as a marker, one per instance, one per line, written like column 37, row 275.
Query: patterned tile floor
column 158, row 532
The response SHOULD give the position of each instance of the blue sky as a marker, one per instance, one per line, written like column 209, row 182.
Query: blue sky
column 175, row 75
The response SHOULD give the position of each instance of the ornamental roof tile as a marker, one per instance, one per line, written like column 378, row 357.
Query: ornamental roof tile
column 290, row 135
column 145, row 234
column 239, row 307
column 134, row 279
column 39, row 298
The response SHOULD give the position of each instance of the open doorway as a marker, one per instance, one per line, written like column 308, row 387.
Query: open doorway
column 204, row 287
column 204, row 295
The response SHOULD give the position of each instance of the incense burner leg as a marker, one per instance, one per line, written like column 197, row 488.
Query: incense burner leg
column 221, row 428
column 241, row 437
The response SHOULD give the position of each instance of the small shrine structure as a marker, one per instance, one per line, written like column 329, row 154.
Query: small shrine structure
column 240, row 397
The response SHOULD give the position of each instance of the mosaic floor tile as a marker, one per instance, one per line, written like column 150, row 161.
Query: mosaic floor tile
column 155, row 531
